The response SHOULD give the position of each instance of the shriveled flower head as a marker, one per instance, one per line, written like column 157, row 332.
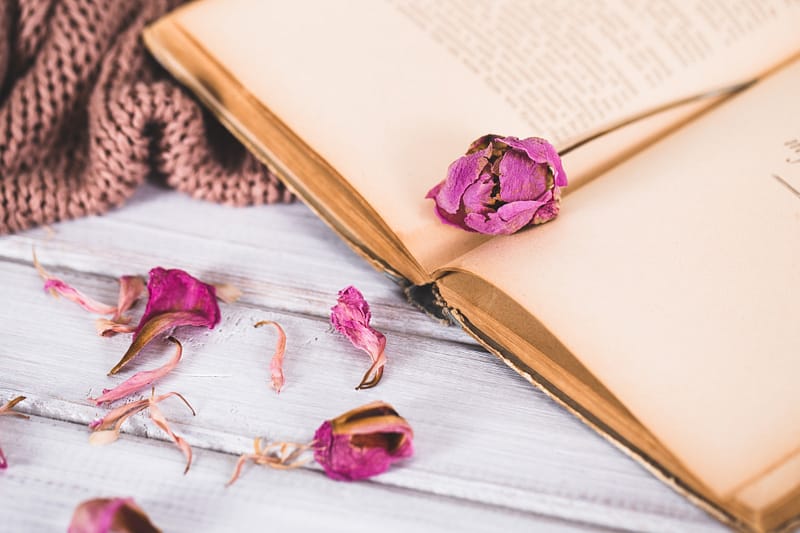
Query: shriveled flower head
column 350, row 316
column 501, row 185
column 363, row 442
column 175, row 299
column 107, row 515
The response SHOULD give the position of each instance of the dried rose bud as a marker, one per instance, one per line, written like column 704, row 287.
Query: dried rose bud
column 501, row 185
column 107, row 515
column 175, row 299
column 363, row 442
column 350, row 316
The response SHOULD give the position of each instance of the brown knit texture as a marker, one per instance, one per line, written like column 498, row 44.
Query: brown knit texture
column 86, row 116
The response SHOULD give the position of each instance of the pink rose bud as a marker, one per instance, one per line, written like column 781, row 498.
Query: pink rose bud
column 363, row 442
column 501, row 185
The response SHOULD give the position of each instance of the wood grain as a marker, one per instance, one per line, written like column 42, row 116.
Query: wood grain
column 490, row 449
column 66, row 470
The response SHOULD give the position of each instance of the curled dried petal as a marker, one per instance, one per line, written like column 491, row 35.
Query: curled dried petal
column 351, row 316
column 154, row 327
column 276, row 363
column 104, row 515
column 106, row 327
column 158, row 417
column 175, row 299
column 141, row 379
column 279, row 455
column 131, row 289
column 106, row 430
column 56, row 287
column 6, row 409
column 363, row 442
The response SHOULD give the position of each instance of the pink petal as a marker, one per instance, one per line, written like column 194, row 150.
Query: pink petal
column 175, row 299
column 117, row 416
column 104, row 437
column 522, row 178
column 462, row 173
column 141, row 379
column 237, row 471
column 175, row 290
column 279, row 455
column 541, row 151
column 351, row 316
column 56, row 287
column 6, row 409
column 509, row 219
column 106, row 429
column 130, row 289
column 106, row 515
column 161, row 421
column 276, row 363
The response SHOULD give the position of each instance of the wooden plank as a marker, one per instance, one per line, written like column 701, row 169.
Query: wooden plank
column 53, row 469
column 282, row 256
column 483, row 434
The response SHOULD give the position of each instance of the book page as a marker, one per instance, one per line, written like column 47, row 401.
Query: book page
column 390, row 92
column 675, row 279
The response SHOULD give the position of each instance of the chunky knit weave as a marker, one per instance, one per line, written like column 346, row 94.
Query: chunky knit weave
column 86, row 116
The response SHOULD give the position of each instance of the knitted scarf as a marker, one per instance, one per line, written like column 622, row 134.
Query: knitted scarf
column 86, row 116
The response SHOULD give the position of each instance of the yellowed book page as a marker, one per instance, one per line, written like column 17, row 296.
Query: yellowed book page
column 389, row 92
column 675, row 279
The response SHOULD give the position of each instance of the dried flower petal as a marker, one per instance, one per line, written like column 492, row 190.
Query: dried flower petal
column 106, row 515
column 176, row 299
column 141, row 379
column 106, row 327
column 227, row 293
column 56, row 287
column 158, row 417
column 363, row 442
column 106, row 430
column 276, row 363
column 131, row 289
column 351, row 316
column 7, row 411
column 280, row 455
column 501, row 185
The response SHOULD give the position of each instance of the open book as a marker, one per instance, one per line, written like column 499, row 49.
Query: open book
column 662, row 307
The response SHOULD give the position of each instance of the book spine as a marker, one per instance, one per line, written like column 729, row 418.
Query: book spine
column 428, row 299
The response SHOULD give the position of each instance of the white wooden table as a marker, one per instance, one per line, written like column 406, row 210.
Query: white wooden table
column 492, row 453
